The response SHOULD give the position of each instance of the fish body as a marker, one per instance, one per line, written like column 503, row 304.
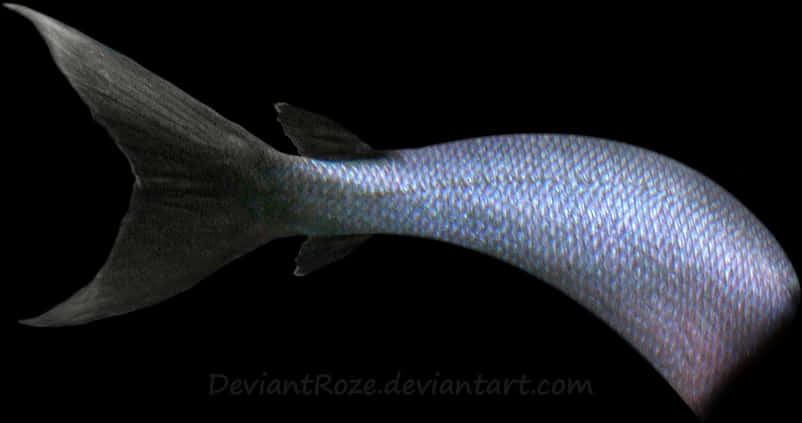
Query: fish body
column 670, row 260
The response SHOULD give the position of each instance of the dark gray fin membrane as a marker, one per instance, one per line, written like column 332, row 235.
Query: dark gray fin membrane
column 319, row 137
column 195, row 173
column 319, row 251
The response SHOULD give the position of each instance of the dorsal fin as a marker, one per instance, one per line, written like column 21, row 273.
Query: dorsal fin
column 319, row 137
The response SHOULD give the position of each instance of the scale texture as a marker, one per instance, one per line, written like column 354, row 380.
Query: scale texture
column 666, row 257
column 670, row 260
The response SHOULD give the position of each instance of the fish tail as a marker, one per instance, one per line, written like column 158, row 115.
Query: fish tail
column 197, row 179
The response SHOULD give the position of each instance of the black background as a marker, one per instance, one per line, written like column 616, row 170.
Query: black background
column 710, row 88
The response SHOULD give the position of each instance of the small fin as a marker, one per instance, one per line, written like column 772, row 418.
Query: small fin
column 319, row 137
column 319, row 251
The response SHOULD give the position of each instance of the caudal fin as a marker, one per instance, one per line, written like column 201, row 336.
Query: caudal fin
column 197, row 176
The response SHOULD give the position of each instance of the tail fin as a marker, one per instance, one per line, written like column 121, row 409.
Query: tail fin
column 196, row 173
